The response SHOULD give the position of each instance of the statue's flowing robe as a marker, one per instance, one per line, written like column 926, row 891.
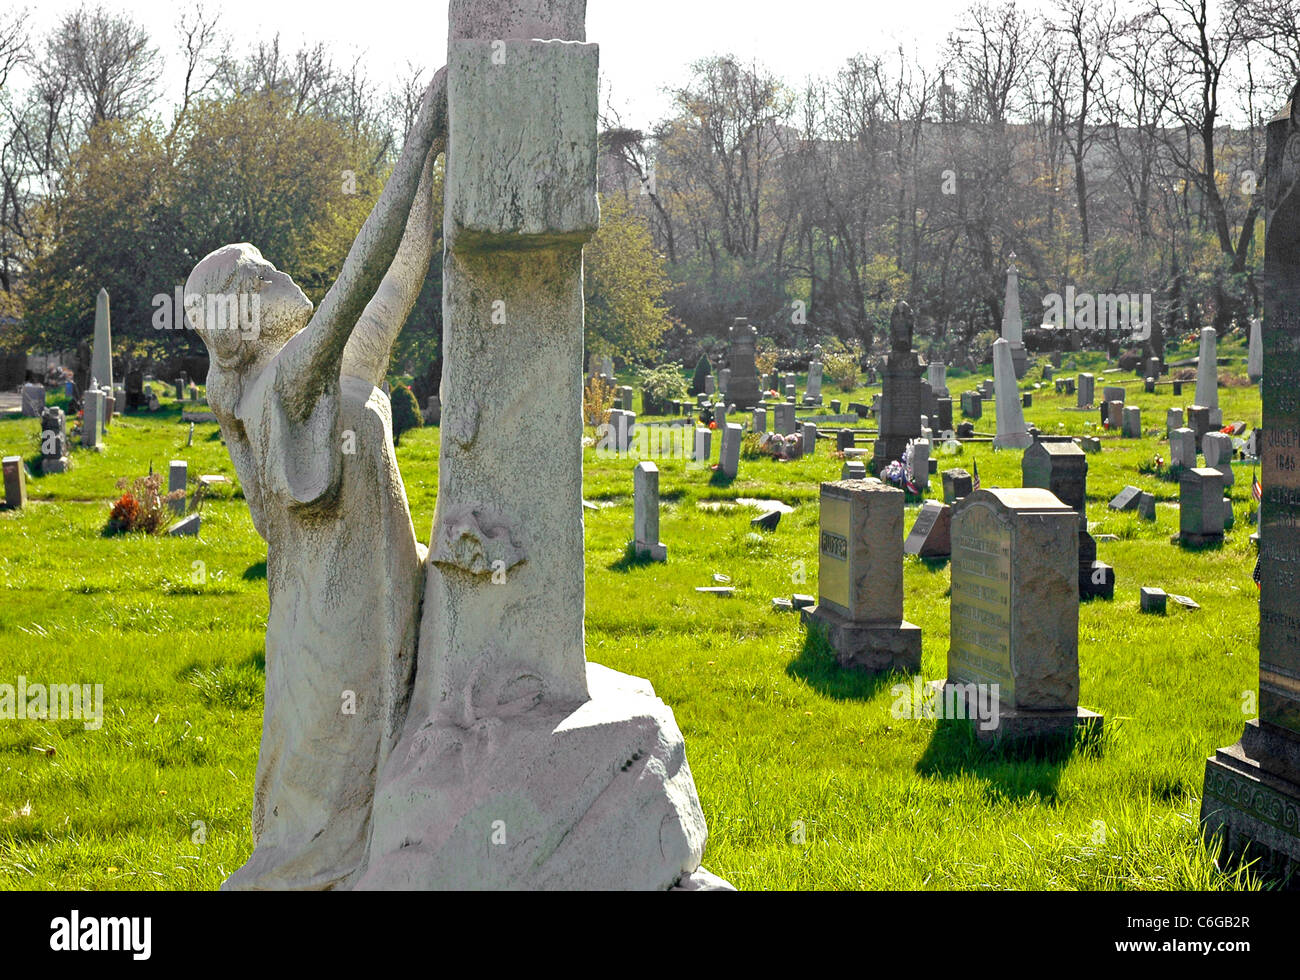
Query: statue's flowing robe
column 345, row 575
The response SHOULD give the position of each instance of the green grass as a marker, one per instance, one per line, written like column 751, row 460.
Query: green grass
column 808, row 778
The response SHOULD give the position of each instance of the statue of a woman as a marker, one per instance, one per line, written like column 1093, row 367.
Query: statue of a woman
column 295, row 392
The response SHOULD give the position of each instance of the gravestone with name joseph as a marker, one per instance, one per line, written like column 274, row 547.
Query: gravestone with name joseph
column 860, row 578
column 1013, row 656
column 1251, row 799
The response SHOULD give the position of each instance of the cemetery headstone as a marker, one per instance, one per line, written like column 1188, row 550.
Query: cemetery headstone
column 1061, row 468
column 729, row 453
column 703, row 445
column 853, row 469
column 900, row 412
column 943, row 415
column 784, row 419
column 1182, row 448
column 1218, row 450
column 178, row 479
column 15, row 475
column 1153, row 601
column 1173, row 420
column 645, row 486
column 860, row 578
column 1147, row 507
column 54, row 441
column 33, row 400
column 1013, row 658
column 1255, row 353
column 742, row 384
column 1178, row 388
column 1087, row 389
column 1200, row 504
column 956, row 484
column 1012, row 322
column 760, row 420
column 1012, row 433
column 1126, row 499
column 1207, row 376
column 808, row 437
column 972, row 404
column 1114, row 415
column 92, row 422
column 101, row 357
column 843, row 440
column 937, row 374
column 1132, row 424
column 931, row 535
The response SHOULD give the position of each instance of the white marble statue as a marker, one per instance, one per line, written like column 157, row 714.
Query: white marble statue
column 296, row 393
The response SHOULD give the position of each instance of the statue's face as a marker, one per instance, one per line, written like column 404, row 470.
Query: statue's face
column 243, row 306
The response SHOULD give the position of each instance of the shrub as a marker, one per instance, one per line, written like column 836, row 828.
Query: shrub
column 597, row 399
column 663, row 383
column 143, row 508
column 406, row 412
column 841, row 370
column 765, row 362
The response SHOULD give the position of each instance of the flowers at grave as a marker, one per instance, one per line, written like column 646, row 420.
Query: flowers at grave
column 143, row 507
column 778, row 446
column 895, row 474
column 713, row 425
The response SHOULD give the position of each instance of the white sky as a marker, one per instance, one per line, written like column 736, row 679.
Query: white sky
column 640, row 52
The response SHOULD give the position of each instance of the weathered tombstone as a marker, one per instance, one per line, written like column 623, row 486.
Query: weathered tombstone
column 1147, row 507
column 1061, row 468
column 724, row 380
column 853, row 469
column 92, row 422
column 808, row 438
column 760, row 420
column 860, row 578
column 729, row 453
column 1198, row 420
column 1182, row 448
column 703, row 445
column 1087, row 390
column 178, row 479
column 844, row 440
column 942, row 421
column 1153, row 601
column 700, row 379
column 101, row 357
column 1154, row 368
column 187, row 526
column 180, row 389
column 1255, row 354
column 1112, row 393
column 1149, row 386
column 784, row 419
column 937, row 374
column 626, row 398
column 15, row 475
column 645, row 541
column 1178, row 388
column 900, row 414
column 1173, row 420
column 503, row 678
column 1012, row 433
column 33, row 400
column 920, row 465
column 813, row 393
column 1217, row 447
column 710, row 386
column 1013, row 326
column 1200, row 504
column 619, row 434
column 1013, row 658
column 742, row 384
column 972, row 404
column 1207, row 376
column 54, row 441
column 1027, row 399
column 1126, row 499
column 966, row 430
column 1114, row 414
column 1132, row 422
column 931, row 535
column 1090, row 444
column 835, row 406
column 956, row 484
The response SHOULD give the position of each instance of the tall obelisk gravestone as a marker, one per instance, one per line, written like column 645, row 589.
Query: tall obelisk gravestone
column 900, row 413
column 101, row 355
column 1252, row 789
column 521, row 766
column 1013, row 324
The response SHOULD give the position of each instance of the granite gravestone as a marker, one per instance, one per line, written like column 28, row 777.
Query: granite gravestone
column 742, row 379
column 1086, row 391
column 1200, row 506
column 1013, row 656
column 54, row 442
column 1012, row 433
column 860, row 578
column 645, row 539
column 15, row 475
column 1062, row 469
column 1251, row 800
column 1207, row 376
column 931, row 535
column 1012, row 323
column 729, row 453
column 900, row 414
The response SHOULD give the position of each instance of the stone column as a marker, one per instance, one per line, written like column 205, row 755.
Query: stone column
column 101, row 357
column 645, row 513
column 1207, row 376
column 1012, row 323
column 1012, row 433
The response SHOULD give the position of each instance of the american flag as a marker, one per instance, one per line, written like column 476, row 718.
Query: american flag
column 1256, row 490
column 1255, row 575
column 975, row 477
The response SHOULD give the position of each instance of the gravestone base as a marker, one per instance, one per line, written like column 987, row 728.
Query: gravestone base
column 55, row 465
column 1254, row 812
column 1195, row 540
column 877, row 647
column 654, row 552
column 1018, row 725
column 541, row 797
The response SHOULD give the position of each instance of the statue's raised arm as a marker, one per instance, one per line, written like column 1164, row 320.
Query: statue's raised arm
column 312, row 358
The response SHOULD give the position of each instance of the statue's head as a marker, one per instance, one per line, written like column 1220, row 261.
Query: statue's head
column 242, row 306
column 900, row 327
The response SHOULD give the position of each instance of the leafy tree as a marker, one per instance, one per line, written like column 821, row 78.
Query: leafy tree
column 625, row 285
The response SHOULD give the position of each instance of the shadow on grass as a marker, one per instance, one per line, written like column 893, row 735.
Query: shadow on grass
column 817, row 667
column 720, row 479
column 631, row 560
column 255, row 571
column 1028, row 769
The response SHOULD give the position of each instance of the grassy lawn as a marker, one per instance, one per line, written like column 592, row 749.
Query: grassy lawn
column 809, row 778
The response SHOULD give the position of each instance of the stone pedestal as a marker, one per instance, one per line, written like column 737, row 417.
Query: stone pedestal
column 900, row 411
column 860, row 578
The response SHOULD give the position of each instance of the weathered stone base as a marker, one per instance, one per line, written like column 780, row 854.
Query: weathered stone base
column 598, row 797
column 1196, row 540
column 1253, row 812
column 874, row 647
column 1016, row 725
column 655, row 552
column 60, row 464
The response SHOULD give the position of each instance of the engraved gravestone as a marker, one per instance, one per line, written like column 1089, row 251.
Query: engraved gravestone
column 931, row 535
column 860, row 578
column 1086, row 391
column 1251, row 798
column 900, row 411
column 1014, row 635
column 742, row 379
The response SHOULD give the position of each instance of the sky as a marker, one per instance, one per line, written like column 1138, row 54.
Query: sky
column 640, row 51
